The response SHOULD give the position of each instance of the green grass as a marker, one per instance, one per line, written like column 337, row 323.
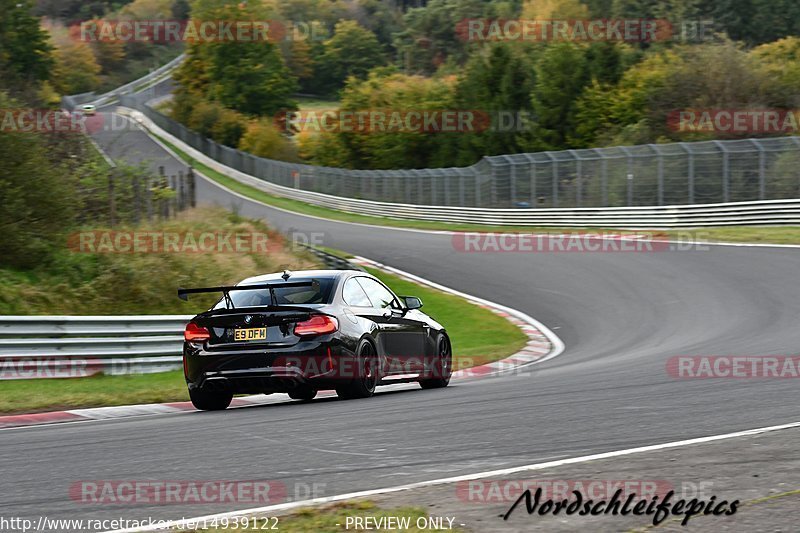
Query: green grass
column 79, row 282
column 494, row 339
column 306, row 103
column 35, row 395
column 752, row 234
column 761, row 234
column 332, row 519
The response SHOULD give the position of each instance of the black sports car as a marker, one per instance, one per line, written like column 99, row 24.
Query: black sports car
column 302, row 332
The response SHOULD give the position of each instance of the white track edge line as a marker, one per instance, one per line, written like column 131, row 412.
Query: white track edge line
column 466, row 477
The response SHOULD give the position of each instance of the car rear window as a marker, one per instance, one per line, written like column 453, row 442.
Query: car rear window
column 283, row 295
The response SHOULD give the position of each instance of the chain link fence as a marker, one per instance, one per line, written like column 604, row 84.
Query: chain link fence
column 646, row 175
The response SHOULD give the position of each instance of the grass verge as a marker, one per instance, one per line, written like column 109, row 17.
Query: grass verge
column 104, row 280
column 753, row 234
column 36, row 395
column 494, row 339
column 333, row 519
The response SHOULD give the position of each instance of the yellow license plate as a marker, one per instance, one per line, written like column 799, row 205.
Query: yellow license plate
column 250, row 334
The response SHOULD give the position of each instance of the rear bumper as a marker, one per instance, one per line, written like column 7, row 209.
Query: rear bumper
column 318, row 365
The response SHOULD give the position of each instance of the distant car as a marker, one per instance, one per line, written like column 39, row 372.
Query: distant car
column 89, row 110
column 302, row 332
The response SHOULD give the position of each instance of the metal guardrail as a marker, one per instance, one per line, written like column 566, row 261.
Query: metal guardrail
column 334, row 262
column 71, row 102
column 75, row 346
column 773, row 212
column 624, row 176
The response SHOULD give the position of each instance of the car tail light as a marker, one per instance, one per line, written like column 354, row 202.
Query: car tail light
column 195, row 333
column 316, row 325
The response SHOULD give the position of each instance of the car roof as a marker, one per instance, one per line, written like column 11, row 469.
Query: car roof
column 300, row 274
column 87, row 105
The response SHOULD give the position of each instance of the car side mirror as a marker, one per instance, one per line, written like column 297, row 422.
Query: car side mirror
column 412, row 302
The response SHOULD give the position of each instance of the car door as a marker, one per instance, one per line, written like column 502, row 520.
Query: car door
column 356, row 298
column 403, row 337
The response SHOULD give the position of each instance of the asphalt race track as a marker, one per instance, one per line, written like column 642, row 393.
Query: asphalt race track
column 620, row 315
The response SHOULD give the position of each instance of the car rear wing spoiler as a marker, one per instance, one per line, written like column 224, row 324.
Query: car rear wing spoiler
column 183, row 294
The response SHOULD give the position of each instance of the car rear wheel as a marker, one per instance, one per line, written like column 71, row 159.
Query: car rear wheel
column 443, row 367
column 302, row 393
column 206, row 400
column 363, row 385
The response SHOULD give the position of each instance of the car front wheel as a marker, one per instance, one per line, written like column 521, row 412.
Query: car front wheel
column 443, row 366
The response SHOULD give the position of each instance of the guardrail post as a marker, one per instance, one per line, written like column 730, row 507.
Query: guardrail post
column 630, row 189
column 604, row 180
column 726, row 172
column 629, row 175
column 690, row 170
column 181, row 191
column 432, row 181
column 513, row 184
column 578, row 178
column 478, row 199
column 554, row 176
column 762, row 169
column 534, row 200
column 493, row 185
column 192, row 189
column 148, row 196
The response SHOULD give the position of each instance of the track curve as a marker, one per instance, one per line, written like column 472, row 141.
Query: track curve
column 621, row 316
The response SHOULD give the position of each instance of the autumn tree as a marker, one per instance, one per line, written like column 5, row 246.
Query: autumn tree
column 246, row 76
column 25, row 51
column 352, row 51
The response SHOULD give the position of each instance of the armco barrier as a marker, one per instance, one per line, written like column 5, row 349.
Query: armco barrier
column 73, row 346
column 772, row 212
column 663, row 175
column 70, row 102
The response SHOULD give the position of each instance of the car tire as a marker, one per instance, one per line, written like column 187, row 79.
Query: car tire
column 443, row 366
column 302, row 393
column 363, row 385
column 206, row 400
